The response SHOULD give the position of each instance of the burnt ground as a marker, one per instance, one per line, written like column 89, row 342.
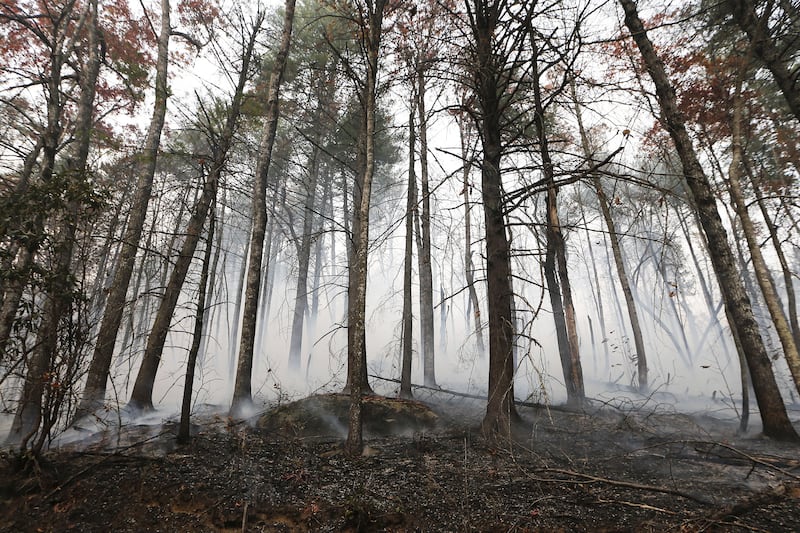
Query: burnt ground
column 603, row 469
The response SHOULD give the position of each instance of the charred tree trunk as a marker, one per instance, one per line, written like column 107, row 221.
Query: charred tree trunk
column 773, row 411
column 500, row 409
column 242, row 396
column 408, row 318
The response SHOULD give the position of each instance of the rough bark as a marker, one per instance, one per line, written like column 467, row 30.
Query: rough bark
column 773, row 411
column 242, row 396
column 500, row 409
column 97, row 377
column 356, row 312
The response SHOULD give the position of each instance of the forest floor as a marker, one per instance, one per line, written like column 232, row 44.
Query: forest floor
column 602, row 469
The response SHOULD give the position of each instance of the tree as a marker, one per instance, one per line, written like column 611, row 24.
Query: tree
column 60, row 289
column 370, row 16
column 489, row 86
column 220, row 145
column 242, row 397
column 773, row 412
column 95, row 390
column 775, row 46
column 616, row 251
column 408, row 317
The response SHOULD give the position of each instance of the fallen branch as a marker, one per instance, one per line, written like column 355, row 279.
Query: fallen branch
column 588, row 478
column 477, row 396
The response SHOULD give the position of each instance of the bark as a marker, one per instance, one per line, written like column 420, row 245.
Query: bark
column 500, row 409
column 767, row 48
column 97, row 376
column 408, row 318
column 773, row 411
column 142, row 394
column 762, row 273
column 616, row 251
column 424, row 241
column 356, row 313
column 473, row 305
column 242, row 396
column 184, row 434
column 556, row 270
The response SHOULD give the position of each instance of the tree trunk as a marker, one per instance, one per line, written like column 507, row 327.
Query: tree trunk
column 304, row 249
column 473, row 305
column 424, row 242
column 500, row 409
column 763, row 276
column 791, row 299
column 60, row 286
column 356, row 313
column 616, row 250
column 184, row 434
column 97, row 377
column 773, row 411
column 142, row 395
column 408, row 318
column 242, row 396
column 556, row 270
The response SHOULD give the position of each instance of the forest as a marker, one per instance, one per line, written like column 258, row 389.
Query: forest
column 214, row 206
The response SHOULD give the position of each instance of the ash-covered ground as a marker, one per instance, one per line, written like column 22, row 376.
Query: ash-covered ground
column 601, row 469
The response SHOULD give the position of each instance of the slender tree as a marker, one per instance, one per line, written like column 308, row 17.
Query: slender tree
column 242, row 396
column 220, row 144
column 371, row 24
column 489, row 84
column 773, row 412
column 97, row 376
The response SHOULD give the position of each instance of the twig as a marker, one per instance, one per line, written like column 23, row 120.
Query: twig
column 627, row 484
column 749, row 457
column 638, row 506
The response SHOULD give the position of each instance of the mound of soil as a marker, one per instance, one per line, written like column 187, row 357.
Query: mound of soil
column 595, row 470
column 327, row 415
